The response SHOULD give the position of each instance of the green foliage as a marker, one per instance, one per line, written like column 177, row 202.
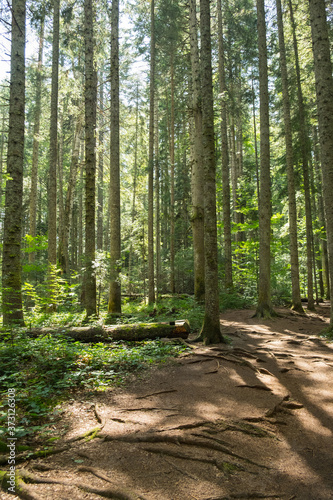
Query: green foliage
column 235, row 300
column 168, row 308
column 45, row 370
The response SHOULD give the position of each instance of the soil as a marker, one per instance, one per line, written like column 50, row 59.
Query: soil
column 251, row 419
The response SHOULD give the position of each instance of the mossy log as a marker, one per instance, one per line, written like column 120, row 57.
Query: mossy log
column 136, row 331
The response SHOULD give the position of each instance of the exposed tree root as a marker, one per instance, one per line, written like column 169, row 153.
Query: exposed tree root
column 95, row 472
column 88, row 435
column 23, row 491
column 235, row 496
column 31, row 456
column 280, row 408
column 150, row 408
column 156, row 393
column 255, row 386
column 168, row 438
column 222, row 466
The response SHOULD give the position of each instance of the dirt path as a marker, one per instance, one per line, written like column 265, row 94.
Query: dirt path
column 249, row 420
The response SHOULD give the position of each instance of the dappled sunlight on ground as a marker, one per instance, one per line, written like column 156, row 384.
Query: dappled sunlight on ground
column 253, row 419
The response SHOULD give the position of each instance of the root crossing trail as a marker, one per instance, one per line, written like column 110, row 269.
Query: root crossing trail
column 252, row 420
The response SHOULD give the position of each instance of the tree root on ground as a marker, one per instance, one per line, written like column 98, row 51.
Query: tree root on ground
column 31, row 456
column 223, row 426
column 248, row 496
column 222, row 466
column 172, row 439
column 22, row 490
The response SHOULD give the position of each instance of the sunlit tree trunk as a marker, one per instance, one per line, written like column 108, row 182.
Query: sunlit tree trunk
column 115, row 236
column 151, row 276
column 294, row 266
column 324, row 93
column 53, row 157
column 264, row 308
column 225, row 156
column 11, row 263
column 35, row 146
column 100, row 200
column 210, row 332
column 304, row 144
column 197, row 174
column 90, row 95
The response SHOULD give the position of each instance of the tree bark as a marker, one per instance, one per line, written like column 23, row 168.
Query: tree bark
column 53, row 158
column 225, row 156
column 151, row 276
column 210, row 332
column 115, row 233
column 172, row 174
column 197, row 174
column 35, row 146
column 324, row 93
column 90, row 94
column 100, row 200
column 304, row 144
column 294, row 265
column 11, row 263
column 264, row 308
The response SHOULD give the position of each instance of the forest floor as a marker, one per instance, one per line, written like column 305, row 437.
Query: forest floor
column 251, row 419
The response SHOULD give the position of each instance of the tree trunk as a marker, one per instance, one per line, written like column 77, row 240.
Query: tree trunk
column 210, row 332
column 225, row 156
column 90, row 94
column 132, row 332
column 67, row 217
column 264, row 308
column 115, row 235
column 304, row 144
column 172, row 175
column 157, row 203
column 35, row 146
column 197, row 175
column 294, row 266
column 99, row 240
column 151, row 277
column 52, row 177
column 11, row 263
column 324, row 93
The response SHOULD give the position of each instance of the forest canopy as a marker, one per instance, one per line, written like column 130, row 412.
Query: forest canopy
column 165, row 147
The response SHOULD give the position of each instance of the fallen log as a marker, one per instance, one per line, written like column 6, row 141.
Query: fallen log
column 106, row 334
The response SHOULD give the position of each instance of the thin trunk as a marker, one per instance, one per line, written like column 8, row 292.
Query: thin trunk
column 52, row 177
column 294, row 265
column 321, row 217
column 264, row 308
column 90, row 95
column 210, row 332
column 172, row 177
column 157, row 202
column 135, row 169
column 304, row 143
column 35, row 146
column 11, row 263
column 225, row 156
column 115, row 235
column 324, row 93
column 197, row 175
column 67, row 218
column 100, row 201
column 151, row 277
